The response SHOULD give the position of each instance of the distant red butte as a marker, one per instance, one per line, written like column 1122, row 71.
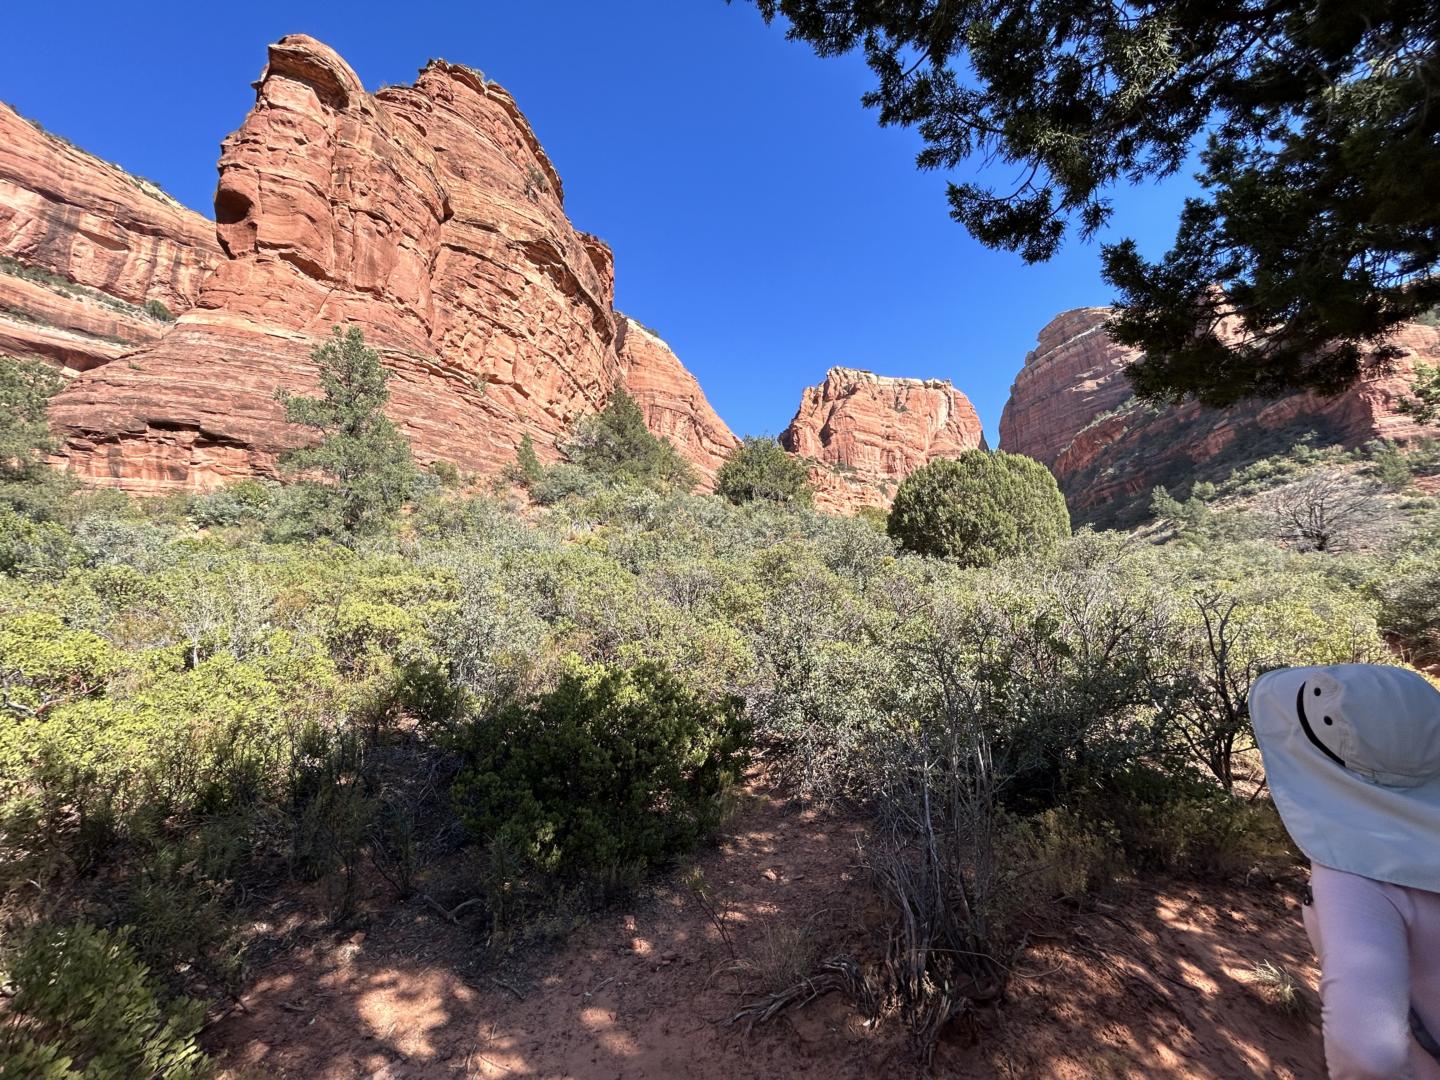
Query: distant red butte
column 863, row 433
column 1072, row 408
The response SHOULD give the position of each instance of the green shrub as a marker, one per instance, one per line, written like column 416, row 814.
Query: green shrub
column 980, row 508
column 1410, row 599
column 564, row 481
column 44, row 663
column 1171, row 819
column 37, row 549
column 247, row 500
column 614, row 768
column 26, row 387
column 615, row 445
column 763, row 469
column 1425, row 405
column 85, row 1006
column 447, row 473
column 1389, row 465
column 187, row 743
column 527, row 470
column 156, row 309
column 1066, row 855
column 1190, row 514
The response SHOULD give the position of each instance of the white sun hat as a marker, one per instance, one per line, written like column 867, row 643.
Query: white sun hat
column 1352, row 755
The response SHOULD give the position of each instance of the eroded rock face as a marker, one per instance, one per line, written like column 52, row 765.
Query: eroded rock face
column 675, row 407
column 1072, row 408
column 863, row 433
column 83, row 246
column 1074, row 373
column 428, row 215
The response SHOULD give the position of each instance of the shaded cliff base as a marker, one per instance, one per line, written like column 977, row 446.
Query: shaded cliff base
column 1155, row 980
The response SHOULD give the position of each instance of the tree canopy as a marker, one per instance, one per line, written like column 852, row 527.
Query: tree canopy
column 615, row 444
column 761, row 468
column 26, row 387
column 1319, row 232
column 366, row 463
column 979, row 508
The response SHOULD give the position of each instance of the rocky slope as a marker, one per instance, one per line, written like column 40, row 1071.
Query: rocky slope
column 864, row 433
column 671, row 399
column 1071, row 407
column 428, row 215
column 83, row 246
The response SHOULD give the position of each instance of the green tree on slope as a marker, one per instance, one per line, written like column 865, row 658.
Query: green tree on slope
column 615, row 445
column 26, row 388
column 1425, row 405
column 364, row 466
column 1320, row 158
column 762, row 469
column 27, row 485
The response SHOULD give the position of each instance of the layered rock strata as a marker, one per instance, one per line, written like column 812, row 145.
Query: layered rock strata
column 675, row 407
column 84, row 246
column 863, row 433
column 1071, row 407
column 431, row 217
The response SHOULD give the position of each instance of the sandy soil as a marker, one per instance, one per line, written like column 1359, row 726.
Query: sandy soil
column 1153, row 983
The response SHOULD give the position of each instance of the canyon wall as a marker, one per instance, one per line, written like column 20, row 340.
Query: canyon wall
column 1071, row 407
column 863, row 433
column 83, row 247
column 428, row 215
column 675, row 407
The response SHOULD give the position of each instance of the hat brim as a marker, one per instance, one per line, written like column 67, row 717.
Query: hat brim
column 1335, row 816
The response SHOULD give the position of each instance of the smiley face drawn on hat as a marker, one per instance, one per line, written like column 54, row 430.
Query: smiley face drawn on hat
column 1309, row 730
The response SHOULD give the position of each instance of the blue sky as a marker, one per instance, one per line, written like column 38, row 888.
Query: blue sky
column 762, row 221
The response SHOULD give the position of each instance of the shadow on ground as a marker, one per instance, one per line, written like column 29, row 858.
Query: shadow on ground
column 1154, row 984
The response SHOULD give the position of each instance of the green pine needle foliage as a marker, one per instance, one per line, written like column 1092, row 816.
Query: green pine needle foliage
column 362, row 467
column 615, row 444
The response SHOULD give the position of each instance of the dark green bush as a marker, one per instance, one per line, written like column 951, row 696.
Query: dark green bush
column 980, row 508
column 615, row 444
column 527, row 470
column 763, row 469
column 85, row 1006
column 614, row 768
column 562, row 481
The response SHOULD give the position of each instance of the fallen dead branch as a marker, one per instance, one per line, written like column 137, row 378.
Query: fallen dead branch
column 839, row 974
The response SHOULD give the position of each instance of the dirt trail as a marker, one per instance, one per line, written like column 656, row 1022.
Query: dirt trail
column 1153, row 984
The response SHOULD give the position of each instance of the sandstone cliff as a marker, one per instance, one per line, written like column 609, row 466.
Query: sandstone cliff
column 1071, row 407
column 428, row 215
column 864, row 433
column 675, row 407
column 83, row 246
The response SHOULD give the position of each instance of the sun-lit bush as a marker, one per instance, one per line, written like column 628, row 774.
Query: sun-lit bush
column 84, row 1005
column 979, row 508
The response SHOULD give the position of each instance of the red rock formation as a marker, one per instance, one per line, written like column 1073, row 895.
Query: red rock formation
column 1074, row 373
column 95, row 243
column 864, row 433
column 429, row 216
column 1071, row 407
column 675, row 407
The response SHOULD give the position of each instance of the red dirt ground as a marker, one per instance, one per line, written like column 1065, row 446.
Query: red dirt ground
column 1154, row 983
